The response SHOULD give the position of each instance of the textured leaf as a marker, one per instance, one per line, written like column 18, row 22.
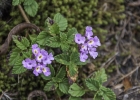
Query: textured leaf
column 61, row 21
column 74, row 98
column 63, row 37
column 74, row 57
column 65, row 47
column 54, row 29
column 42, row 38
column 100, row 76
column 15, row 2
column 50, row 86
column 62, row 58
column 72, row 70
column 71, row 34
column 75, row 90
column 28, row 2
column 98, row 97
column 92, row 84
column 27, row 54
column 62, row 72
column 33, row 38
column 18, row 67
column 23, row 44
column 108, row 94
column 31, row 9
column 15, row 55
column 53, row 42
column 64, row 86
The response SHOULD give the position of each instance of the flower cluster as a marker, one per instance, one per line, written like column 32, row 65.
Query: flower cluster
column 41, row 59
column 87, row 44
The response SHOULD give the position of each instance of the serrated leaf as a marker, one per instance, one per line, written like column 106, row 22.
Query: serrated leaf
column 74, row 57
column 23, row 44
column 75, row 90
column 42, row 38
column 50, row 86
column 92, row 84
column 62, row 72
column 31, row 9
column 18, row 67
column 64, row 86
column 54, row 29
column 101, row 76
column 98, row 97
column 55, row 79
column 72, row 70
column 28, row 2
column 74, row 98
column 50, row 76
column 71, row 33
column 65, row 47
column 15, row 2
column 108, row 94
column 63, row 37
column 27, row 54
column 33, row 38
column 61, row 21
column 62, row 58
column 53, row 42
column 14, row 56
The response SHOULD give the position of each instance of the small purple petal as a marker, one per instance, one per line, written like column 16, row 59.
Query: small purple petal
column 37, row 69
column 48, row 59
column 97, row 41
column 92, row 52
column 28, row 63
column 46, row 71
column 88, row 28
column 83, row 57
column 83, row 47
column 34, row 46
column 79, row 39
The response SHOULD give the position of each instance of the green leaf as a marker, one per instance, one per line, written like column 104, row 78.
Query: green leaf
column 75, row 90
column 52, row 73
column 108, row 94
column 72, row 70
column 54, row 29
column 93, row 84
column 62, row 72
column 74, row 57
column 33, row 38
column 101, row 76
column 62, row 59
column 27, row 54
column 57, row 80
column 74, row 98
column 98, row 97
column 31, row 9
column 42, row 38
column 64, row 46
column 50, row 86
column 61, row 21
column 63, row 37
column 15, row 55
column 23, row 44
column 64, row 86
column 28, row 2
column 15, row 2
column 18, row 67
column 53, row 42
column 71, row 34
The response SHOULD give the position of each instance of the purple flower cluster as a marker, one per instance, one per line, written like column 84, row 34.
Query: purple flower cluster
column 41, row 59
column 87, row 44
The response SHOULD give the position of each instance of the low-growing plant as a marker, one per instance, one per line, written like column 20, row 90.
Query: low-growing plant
column 56, row 54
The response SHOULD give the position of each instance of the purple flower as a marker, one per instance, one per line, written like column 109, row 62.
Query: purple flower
column 41, row 55
column 83, row 57
column 89, row 32
column 91, row 42
column 83, row 47
column 28, row 63
column 79, row 39
column 35, row 49
column 37, row 69
column 48, row 58
column 92, row 52
column 97, row 41
column 46, row 71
